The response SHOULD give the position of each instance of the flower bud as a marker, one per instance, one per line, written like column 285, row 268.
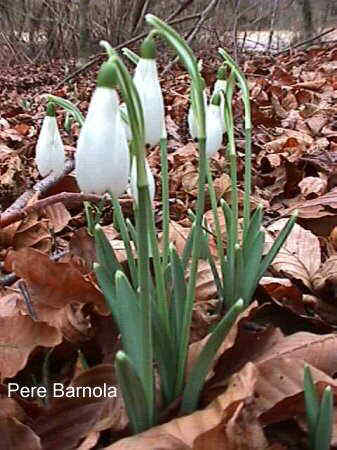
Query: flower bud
column 102, row 156
column 49, row 153
column 147, row 83
column 192, row 123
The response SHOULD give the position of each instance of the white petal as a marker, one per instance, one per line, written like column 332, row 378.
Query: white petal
column 102, row 156
column 151, row 97
column 192, row 123
column 49, row 155
column 218, row 85
column 123, row 108
column 133, row 181
column 213, row 130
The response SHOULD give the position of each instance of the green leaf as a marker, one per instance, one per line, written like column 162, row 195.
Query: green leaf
column 105, row 253
column 199, row 372
column 279, row 241
column 311, row 405
column 252, row 259
column 133, row 394
column 177, row 308
column 324, row 423
column 130, row 322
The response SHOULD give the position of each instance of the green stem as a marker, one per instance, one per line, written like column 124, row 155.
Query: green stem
column 214, row 204
column 147, row 376
column 165, row 199
column 158, row 269
column 183, row 348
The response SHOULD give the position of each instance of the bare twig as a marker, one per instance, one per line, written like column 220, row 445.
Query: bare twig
column 307, row 41
column 203, row 18
column 118, row 47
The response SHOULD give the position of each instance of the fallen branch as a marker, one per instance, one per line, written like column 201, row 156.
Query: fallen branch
column 307, row 41
column 66, row 198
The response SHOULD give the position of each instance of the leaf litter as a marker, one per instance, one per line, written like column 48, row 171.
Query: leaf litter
column 255, row 384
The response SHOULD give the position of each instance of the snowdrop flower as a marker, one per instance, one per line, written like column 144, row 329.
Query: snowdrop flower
column 147, row 83
column 133, row 181
column 192, row 123
column 49, row 154
column 123, row 111
column 221, row 85
column 213, row 126
column 102, row 156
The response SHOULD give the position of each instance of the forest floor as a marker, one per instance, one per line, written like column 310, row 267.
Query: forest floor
column 53, row 314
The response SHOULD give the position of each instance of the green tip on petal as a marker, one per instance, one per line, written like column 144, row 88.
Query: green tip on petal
column 148, row 48
column 50, row 109
column 222, row 73
column 107, row 76
column 216, row 99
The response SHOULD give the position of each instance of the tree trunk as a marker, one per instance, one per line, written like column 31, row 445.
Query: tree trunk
column 308, row 26
column 84, row 45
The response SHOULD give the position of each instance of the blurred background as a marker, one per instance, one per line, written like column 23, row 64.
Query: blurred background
column 39, row 30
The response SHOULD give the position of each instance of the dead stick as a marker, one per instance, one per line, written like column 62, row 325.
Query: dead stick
column 308, row 41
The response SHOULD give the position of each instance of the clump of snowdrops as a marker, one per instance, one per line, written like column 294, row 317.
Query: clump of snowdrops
column 153, row 308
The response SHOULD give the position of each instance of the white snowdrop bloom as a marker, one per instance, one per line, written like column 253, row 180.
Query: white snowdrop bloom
column 213, row 127
column 192, row 123
column 133, row 181
column 221, row 85
column 49, row 153
column 123, row 110
column 147, row 83
column 102, row 156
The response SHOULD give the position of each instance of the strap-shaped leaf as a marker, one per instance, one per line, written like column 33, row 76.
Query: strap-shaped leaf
column 139, row 413
column 311, row 405
column 177, row 308
column 165, row 356
column 252, row 259
column 130, row 322
column 324, row 423
column 199, row 372
column 279, row 241
column 105, row 254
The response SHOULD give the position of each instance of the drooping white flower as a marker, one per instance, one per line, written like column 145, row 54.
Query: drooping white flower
column 49, row 153
column 133, row 181
column 147, row 83
column 220, row 87
column 214, row 129
column 192, row 123
column 124, row 112
column 102, row 156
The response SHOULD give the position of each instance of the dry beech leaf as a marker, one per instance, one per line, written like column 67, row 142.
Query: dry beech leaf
column 17, row 436
column 196, row 348
column 90, row 441
column 325, row 280
column 317, row 350
column 300, row 256
column 177, row 235
column 68, row 420
column 188, row 428
column 313, row 186
column 58, row 216
column 318, row 207
column 53, row 283
column 19, row 336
